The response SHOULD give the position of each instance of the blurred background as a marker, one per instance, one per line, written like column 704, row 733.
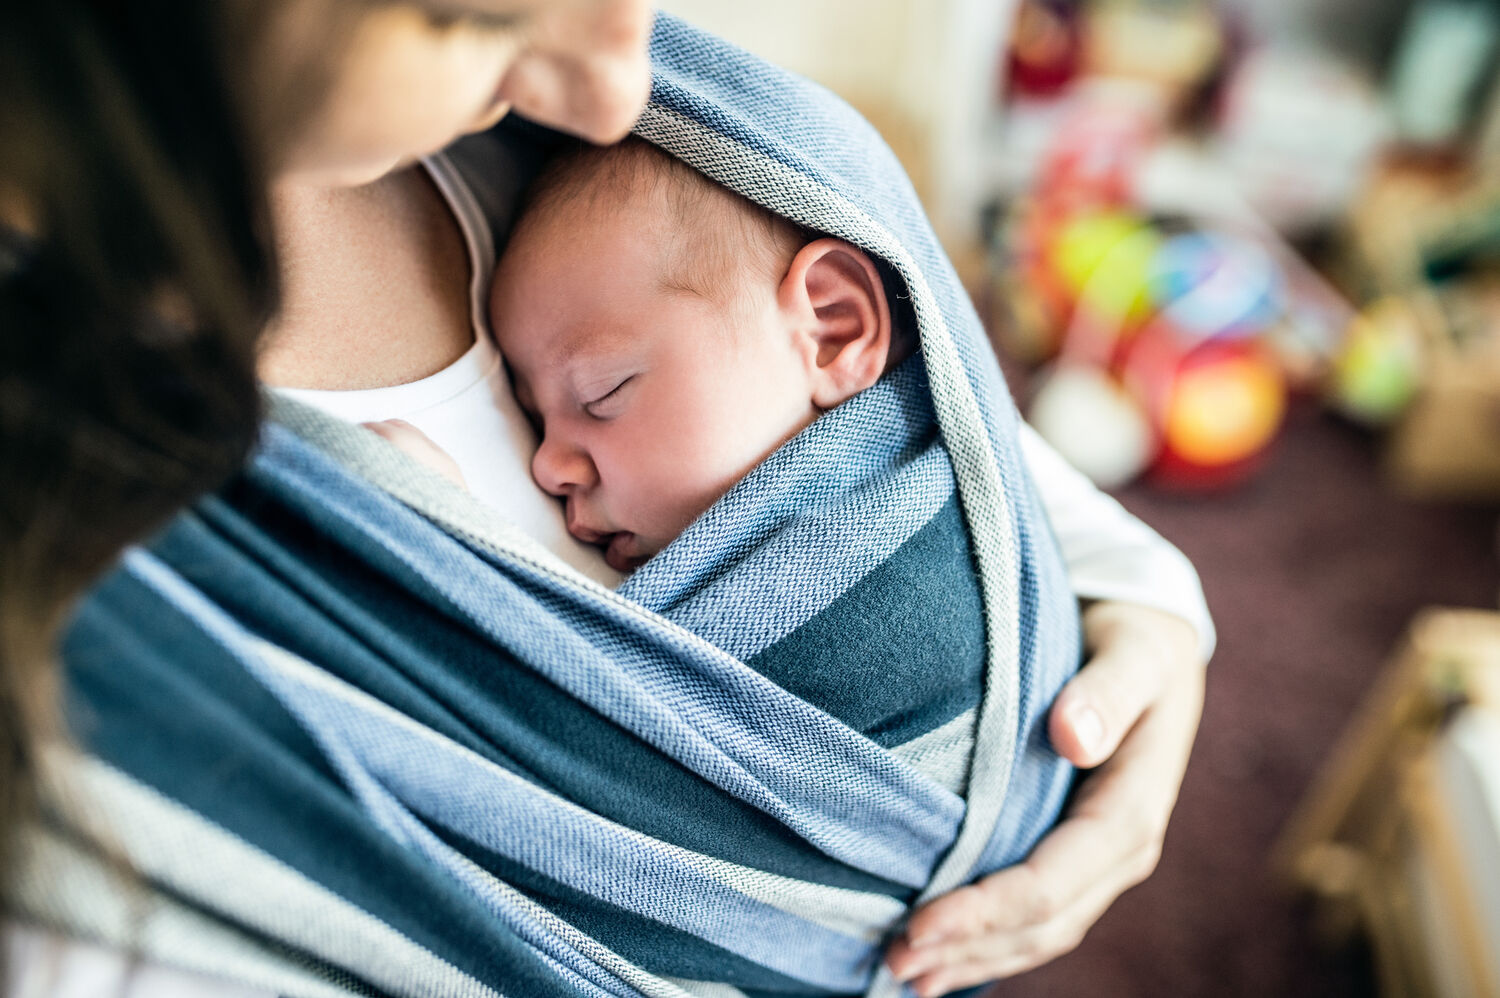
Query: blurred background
column 1241, row 261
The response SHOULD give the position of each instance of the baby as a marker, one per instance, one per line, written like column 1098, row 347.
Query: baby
column 666, row 335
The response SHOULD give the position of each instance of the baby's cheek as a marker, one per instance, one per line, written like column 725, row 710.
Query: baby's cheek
column 718, row 471
column 695, row 445
column 675, row 485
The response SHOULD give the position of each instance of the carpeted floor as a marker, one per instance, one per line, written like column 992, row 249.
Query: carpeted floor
column 1312, row 571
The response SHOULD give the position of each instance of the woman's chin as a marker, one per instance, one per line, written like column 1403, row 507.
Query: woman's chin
column 346, row 174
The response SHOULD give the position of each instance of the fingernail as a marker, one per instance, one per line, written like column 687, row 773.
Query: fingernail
column 1088, row 727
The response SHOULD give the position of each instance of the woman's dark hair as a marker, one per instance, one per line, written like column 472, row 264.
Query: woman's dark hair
column 135, row 275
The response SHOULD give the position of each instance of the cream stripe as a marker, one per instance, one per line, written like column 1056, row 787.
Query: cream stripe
column 707, row 989
column 942, row 755
column 854, row 913
column 60, row 885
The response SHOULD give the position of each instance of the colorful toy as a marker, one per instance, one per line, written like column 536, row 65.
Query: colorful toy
column 1091, row 275
column 1173, row 47
column 1045, row 47
column 1213, row 284
column 1104, row 262
column 1094, row 423
column 1378, row 368
column 1161, row 365
column 1215, row 404
column 1097, row 152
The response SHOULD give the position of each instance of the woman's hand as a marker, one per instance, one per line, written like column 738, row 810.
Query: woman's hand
column 1132, row 711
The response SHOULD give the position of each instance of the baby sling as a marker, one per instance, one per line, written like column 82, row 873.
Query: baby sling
column 339, row 730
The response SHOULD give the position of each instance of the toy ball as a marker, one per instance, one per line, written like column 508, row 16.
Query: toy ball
column 1103, row 261
column 1223, row 410
column 1094, row 424
column 1215, row 406
column 1211, row 284
column 1378, row 369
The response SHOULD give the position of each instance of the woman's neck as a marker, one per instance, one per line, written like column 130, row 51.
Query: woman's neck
column 374, row 285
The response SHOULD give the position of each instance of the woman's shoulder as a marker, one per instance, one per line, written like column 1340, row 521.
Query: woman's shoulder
column 42, row 964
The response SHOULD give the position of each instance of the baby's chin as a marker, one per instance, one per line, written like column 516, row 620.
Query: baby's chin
column 625, row 552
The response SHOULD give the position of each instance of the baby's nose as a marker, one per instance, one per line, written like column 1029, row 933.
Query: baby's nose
column 562, row 468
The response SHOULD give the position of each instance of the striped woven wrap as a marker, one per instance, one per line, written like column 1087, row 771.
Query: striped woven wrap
column 353, row 733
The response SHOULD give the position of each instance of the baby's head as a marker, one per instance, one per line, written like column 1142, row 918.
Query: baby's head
column 666, row 335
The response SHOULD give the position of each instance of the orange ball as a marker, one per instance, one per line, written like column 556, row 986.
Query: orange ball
column 1216, row 405
column 1224, row 410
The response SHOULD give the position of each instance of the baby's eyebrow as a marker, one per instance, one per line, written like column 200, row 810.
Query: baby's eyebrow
column 583, row 345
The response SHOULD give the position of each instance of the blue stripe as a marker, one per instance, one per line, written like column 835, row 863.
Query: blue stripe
column 900, row 654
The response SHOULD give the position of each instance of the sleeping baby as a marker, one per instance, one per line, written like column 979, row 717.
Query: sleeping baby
column 669, row 339
column 665, row 335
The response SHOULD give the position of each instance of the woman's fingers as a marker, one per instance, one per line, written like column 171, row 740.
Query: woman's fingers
column 1032, row 911
column 978, row 961
column 1098, row 708
column 1136, row 789
column 1140, row 652
column 1038, row 910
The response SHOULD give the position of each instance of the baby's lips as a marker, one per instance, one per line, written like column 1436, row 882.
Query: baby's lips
column 617, row 556
column 620, row 546
column 586, row 534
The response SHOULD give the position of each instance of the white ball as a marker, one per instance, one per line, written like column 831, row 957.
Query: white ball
column 1094, row 424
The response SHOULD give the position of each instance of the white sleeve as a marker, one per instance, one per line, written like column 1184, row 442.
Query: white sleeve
column 1109, row 554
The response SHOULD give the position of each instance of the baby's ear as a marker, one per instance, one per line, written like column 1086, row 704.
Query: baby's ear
column 842, row 322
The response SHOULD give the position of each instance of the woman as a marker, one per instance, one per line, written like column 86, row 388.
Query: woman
column 147, row 250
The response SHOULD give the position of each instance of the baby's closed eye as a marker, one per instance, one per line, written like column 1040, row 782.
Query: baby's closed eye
column 611, row 402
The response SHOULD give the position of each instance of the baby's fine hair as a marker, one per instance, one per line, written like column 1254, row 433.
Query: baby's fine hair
column 721, row 238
